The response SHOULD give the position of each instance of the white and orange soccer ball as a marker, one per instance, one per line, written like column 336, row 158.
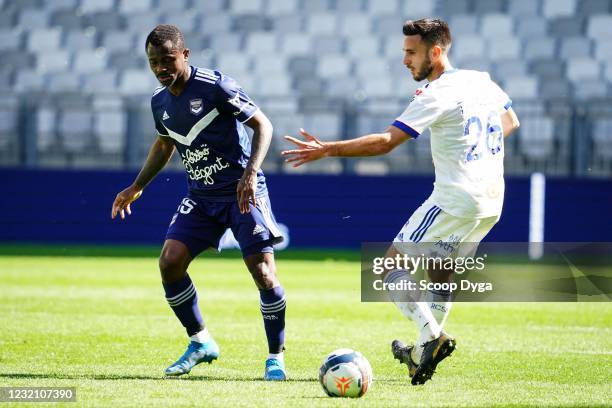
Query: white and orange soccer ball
column 345, row 373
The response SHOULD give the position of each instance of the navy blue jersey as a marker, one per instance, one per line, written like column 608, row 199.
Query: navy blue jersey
column 205, row 122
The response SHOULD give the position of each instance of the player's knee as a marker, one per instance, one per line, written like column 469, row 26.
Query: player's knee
column 172, row 265
column 263, row 271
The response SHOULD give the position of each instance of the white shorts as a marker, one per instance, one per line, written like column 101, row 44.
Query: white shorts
column 432, row 231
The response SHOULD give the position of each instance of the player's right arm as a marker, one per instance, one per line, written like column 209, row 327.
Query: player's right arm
column 510, row 122
column 368, row 145
column 158, row 157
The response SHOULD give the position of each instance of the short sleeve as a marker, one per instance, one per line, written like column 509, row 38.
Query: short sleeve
column 420, row 114
column 500, row 97
column 232, row 99
column 158, row 113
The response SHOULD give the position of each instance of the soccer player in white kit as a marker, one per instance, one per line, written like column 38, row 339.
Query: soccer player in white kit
column 468, row 116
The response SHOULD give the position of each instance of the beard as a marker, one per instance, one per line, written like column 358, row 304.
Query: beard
column 425, row 70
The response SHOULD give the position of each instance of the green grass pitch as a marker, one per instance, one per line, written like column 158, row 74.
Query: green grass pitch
column 101, row 324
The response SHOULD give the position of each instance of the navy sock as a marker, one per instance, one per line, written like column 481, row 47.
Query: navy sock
column 273, row 307
column 183, row 299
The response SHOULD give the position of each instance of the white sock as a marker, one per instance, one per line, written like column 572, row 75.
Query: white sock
column 280, row 356
column 419, row 312
column 201, row 337
column 440, row 305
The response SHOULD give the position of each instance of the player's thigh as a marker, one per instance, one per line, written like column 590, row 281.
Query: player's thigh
column 196, row 224
column 255, row 231
column 174, row 255
column 471, row 242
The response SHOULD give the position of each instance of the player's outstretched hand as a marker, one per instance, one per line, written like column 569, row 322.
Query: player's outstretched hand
column 310, row 150
column 124, row 199
column 246, row 190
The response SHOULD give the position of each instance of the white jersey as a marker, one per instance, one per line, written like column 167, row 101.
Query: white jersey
column 462, row 109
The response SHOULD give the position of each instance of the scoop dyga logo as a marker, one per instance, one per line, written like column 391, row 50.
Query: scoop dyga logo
column 196, row 106
column 343, row 384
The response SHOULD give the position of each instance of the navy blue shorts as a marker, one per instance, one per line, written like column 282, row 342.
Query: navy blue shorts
column 200, row 223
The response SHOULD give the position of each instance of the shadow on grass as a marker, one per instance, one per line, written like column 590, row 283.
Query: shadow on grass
column 118, row 377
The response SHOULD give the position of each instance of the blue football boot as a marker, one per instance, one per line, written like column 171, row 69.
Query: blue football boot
column 196, row 353
column 275, row 370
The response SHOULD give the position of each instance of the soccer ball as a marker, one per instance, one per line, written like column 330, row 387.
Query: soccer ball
column 345, row 373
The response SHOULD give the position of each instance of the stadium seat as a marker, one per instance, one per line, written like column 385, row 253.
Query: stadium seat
column 353, row 25
column 328, row 44
column 90, row 61
column 288, row 24
column 64, row 82
column 505, row 47
column 60, row 4
column 248, row 23
column 333, row 65
column 599, row 26
column 280, row 8
column 509, row 68
column 11, row 39
column 558, row 8
column 28, row 18
column 389, row 25
column 575, row 47
column 68, row 19
column 9, row 129
column 118, row 41
column 295, row 44
column 369, row 68
column 416, row 8
column 315, row 6
column 74, row 130
column 42, row 40
column 521, row 8
column 134, row 6
column 273, row 86
column 496, row 25
column 233, row 62
column 105, row 21
column 100, row 82
column 377, row 7
column 80, row 40
column 602, row 138
column 186, row 20
column 92, row 6
column 321, row 23
column 207, row 6
column 590, row 88
column 593, row 7
column 28, row 80
column 554, row 88
column 362, row 46
column 246, row 6
column 536, row 139
column 109, row 130
column 46, row 122
column 53, row 61
column 567, row 26
column 226, row 42
column 540, row 48
column 521, row 87
column 343, row 87
column 261, row 43
column 468, row 48
column 217, row 25
column 603, row 51
column 461, row 24
column 377, row 87
column 582, row 68
column 143, row 21
column 136, row 81
column 547, row 68
column 531, row 27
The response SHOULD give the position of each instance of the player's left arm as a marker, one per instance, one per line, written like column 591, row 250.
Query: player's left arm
column 510, row 122
column 262, row 136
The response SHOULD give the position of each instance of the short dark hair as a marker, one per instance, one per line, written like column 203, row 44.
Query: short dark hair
column 434, row 31
column 163, row 33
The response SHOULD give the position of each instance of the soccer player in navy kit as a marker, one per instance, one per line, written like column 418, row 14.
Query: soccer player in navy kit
column 200, row 113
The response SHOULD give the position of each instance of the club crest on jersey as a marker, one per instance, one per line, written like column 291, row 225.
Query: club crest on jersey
column 196, row 106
